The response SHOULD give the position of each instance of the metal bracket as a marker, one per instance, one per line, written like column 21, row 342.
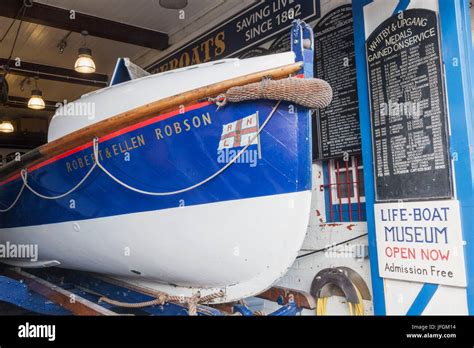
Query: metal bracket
column 302, row 44
column 340, row 281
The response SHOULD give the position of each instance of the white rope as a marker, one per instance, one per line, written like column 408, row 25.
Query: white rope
column 24, row 176
column 24, row 173
column 14, row 202
column 235, row 159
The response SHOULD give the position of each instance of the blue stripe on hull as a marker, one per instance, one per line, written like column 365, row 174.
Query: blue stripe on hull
column 186, row 154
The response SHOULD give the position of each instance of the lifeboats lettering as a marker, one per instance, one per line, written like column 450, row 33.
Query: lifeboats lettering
column 204, row 52
column 184, row 126
column 106, row 152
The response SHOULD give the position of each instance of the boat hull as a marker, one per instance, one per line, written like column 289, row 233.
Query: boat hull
column 219, row 246
column 238, row 232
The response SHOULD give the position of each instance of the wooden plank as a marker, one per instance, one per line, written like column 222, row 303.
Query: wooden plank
column 301, row 298
column 130, row 286
column 137, row 115
column 60, row 18
column 54, row 73
column 58, row 295
column 227, row 308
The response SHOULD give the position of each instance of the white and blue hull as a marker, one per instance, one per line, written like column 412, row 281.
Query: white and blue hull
column 239, row 232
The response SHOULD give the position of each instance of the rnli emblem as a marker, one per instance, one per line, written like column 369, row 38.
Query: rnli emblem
column 238, row 135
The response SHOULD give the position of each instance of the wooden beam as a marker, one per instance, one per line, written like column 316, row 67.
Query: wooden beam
column 60, row 18
column 54, row 73
column 26, row 141
column 21, row 102
column 58, row 295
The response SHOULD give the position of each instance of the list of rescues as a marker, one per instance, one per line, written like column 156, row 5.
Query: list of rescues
column 409, row 119
column 420, row 241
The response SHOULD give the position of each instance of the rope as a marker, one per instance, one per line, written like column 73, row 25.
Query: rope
column 190, row 188
column 12, row 23
column 24, row 177
column 158, row 301
column 310, row 93
column 15, row 201
column 6, row 67
column 97, row 164
column 163, row 298
column 24, row 173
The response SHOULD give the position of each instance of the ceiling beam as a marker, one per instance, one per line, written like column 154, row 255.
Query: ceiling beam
column 56, row 17
column 22, row 141
column 47, row 72
column 21, row 102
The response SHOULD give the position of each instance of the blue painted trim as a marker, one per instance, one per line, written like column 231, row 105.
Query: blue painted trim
column 402, row 6
column 422, row 299
column 288, row 310
column 367, row 156
column 121, row 73
column 456, row 39
column 299, row 33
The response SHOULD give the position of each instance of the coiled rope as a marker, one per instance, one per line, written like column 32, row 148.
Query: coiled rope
column 98, row 164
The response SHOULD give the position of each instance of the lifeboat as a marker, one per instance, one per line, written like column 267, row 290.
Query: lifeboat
column 149, row 181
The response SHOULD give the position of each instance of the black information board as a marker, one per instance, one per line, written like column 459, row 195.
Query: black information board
column 408, row 109
column 337, row 126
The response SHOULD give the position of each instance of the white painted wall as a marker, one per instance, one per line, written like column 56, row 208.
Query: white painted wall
column 321, row 235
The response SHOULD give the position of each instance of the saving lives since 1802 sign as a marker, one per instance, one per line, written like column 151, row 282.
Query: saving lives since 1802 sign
column 255, row 25
column 421, row 242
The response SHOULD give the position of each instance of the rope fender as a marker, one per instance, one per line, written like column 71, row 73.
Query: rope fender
column 310, row 93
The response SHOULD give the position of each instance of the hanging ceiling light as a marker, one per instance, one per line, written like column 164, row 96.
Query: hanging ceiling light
column 36, row 101
column 84, row 63
column 6, row 127
column 174, row 4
